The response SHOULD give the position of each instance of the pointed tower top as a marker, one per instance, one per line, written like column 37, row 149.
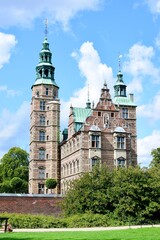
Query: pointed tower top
column 88, row 103
column 46, row 28
column 119, row 62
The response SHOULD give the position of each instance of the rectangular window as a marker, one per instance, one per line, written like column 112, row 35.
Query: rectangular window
column 42, row 120
column 42, row 105
column 40, row 188
column 41, row 154
column 124, row 112
column 46, row 91
column 120, row 142
column 41, row 174
column 95, row 141
column 41, row 136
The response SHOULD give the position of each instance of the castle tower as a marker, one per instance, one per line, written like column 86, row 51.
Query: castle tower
column 126, row 139
column 44, row 125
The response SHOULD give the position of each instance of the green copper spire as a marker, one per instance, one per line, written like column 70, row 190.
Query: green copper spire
column 120, row 87
column 45, row 69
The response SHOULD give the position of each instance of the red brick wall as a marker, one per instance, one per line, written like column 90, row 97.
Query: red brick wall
column 30, row 204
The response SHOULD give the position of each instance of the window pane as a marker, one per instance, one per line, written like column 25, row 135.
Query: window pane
column 41, row 154
column 120, row 142
column 124, row 112
column 42, row 120
column 41, row 136
column 42, row 105
column 95, row 141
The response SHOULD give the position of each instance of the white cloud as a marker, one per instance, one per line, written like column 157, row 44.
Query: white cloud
column 14, row 128
column 7, row 43
column 150, row 110
column 157, row 41
column 22, row 13
column 140, row 66
column 145, row 146
column 94, row 73
column 9, row 92
column 154, row 6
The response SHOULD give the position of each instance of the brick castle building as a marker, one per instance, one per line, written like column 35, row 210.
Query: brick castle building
column 104, row 133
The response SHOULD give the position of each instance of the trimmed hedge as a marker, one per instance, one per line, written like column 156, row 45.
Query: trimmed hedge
column 42, row 221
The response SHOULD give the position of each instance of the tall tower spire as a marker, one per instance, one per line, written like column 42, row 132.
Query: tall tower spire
column 119, row 87
column 44, row 124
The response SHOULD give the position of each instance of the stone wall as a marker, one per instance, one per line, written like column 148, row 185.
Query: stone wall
column 31, row 204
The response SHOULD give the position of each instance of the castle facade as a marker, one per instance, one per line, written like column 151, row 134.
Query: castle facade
column 103, row 134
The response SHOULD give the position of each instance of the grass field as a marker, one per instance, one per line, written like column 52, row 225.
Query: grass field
column 129, row 234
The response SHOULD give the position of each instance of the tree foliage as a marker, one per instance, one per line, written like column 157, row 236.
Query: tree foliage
column 125, row 194
column 14, row 171
column 155, row 157
column 51, row 183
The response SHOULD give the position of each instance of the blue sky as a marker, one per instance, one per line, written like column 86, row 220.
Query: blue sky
column 86, row 38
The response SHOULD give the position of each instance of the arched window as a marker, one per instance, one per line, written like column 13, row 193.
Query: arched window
column 94, row 161
column 121, row 162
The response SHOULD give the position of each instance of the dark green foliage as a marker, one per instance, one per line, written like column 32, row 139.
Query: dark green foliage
column 51, row 183
column 156, row 157
column 14, row 171
column 125, row 195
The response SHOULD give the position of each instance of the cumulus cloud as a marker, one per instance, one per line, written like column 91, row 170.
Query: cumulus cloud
column 7, row 43
column 154, row 6
column 139, row 64
column 150, row 110
column 94, row 73
column 22, row 13
column 14, row 128
column 145, row 146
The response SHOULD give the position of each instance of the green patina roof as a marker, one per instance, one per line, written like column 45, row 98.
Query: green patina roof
column 123, row 101
column 46, row 81
column 80, row 114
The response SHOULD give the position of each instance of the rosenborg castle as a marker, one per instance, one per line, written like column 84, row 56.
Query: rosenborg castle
column 104, row 133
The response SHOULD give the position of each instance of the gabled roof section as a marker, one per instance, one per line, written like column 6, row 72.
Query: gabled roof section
column 80, row 114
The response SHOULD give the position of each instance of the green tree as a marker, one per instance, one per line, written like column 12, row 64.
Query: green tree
column 14, row 164
column 155, row 157
column 51, row 183
column 127, row 195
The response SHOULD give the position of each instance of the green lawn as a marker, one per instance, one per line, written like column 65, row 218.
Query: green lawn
column 129, row 234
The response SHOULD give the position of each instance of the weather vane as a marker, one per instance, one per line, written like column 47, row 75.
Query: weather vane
column 46, row 27
column 119, row 61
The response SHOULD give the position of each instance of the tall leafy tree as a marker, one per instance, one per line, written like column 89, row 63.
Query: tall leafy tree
column 14, row 164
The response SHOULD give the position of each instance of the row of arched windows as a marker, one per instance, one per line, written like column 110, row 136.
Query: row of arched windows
column 70, row 168
column 70, row 146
